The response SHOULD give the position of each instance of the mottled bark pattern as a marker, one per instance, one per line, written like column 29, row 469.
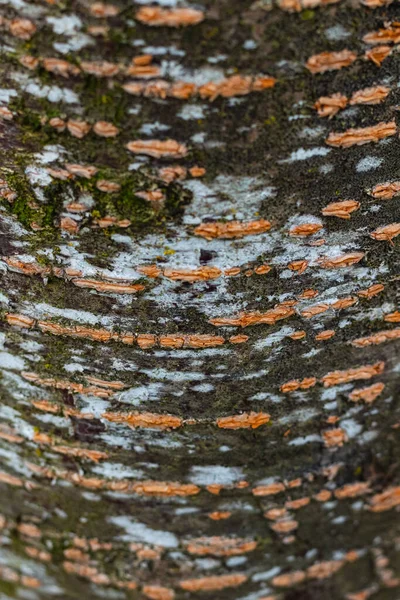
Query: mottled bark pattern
column 200, row 321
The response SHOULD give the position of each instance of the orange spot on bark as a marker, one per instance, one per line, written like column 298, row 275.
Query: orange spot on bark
column 334, row 437
column 352, row 490
column 340, row 262
column 232, row 229
column 296, row 384
column 387, row 35
column 324, row 569
column 377, row 338
column 197, row 171
column 289, row 579
column 10, row 479
column 275, row 513
column 220, row 546
column 385, row 500
column 58, row 124
column 87, row 172
column 294, row 483
column 344, row 303
column 46, row 406
column 270, row 317
column 238, row 339
column 285, row 526
column 250, row 420
column 66, row 385
column 102, row 10
column 354, row 374
column 78, row 129
column 393, row 317
column 362, row 135
column 312, row 311
column 299, row 266
column 100, row 68
column 143, row 71
column 325, row 335
column 387, row 232
column 299, row 5
column 150, row 271
column 199, row 274
column 329, row 106
column 158, row 592
column 23, row 29
column 305, row 229
column 20, row 320
column 297, row 335
column 330, row 61
column 236, row 85
column 28, row 61
column 372, row 291
column 262, row 269
column 158, row 148
column 29, row 530
column 172, row 173
column 69, row 225
column 174, row 17
column 74, row 451
column 106, row 286
column 105, row 129
column 323, row 496
column 268, row 490
column 386, row 191
column 296, row 504
column 215, row 582
column 341, row 209
column 37, row 554
column 112, row 385
column 377, row 55
column 219, row 515
column 370, row 95
column 145, row 419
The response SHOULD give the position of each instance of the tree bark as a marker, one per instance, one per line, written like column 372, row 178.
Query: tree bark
column 199, row 300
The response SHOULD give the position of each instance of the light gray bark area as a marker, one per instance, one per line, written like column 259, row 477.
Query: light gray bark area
column 199, row 371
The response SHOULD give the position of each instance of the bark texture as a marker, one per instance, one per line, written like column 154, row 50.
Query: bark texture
column 199, row 300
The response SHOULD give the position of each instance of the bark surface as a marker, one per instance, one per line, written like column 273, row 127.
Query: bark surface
column 199, row 306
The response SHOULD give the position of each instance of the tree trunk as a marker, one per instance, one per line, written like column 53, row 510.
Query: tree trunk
column 199, row 302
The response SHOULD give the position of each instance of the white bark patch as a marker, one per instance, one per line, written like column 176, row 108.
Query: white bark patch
column 215, row 474
column 138, row 532
column 6, row 95
column 306, row 153
column 10, row 361
column 368, row 163
column 301, row 441
column 65, row 25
